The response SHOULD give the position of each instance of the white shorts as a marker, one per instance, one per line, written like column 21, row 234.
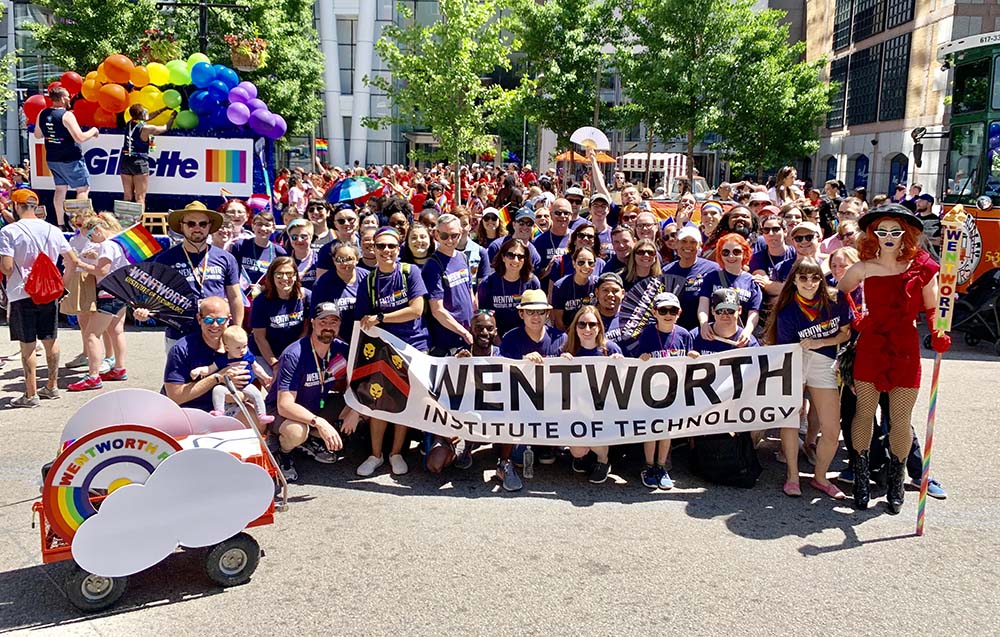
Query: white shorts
column 818, row 370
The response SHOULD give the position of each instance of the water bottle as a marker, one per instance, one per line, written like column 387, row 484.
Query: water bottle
column 529, row 462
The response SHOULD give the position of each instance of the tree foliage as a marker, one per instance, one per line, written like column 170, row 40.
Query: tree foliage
column 438, row 73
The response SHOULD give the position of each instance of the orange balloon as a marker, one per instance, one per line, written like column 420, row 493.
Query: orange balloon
column 118, row 68
column 102, row 75
column 91, row 76
column 104, row 119
column 139, row 76
column 90, row 89
column 113, row 98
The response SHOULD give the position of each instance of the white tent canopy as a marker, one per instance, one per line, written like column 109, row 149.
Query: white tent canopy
column 672, row 164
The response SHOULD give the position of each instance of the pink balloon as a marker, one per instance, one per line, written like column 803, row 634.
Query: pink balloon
column 238, row 114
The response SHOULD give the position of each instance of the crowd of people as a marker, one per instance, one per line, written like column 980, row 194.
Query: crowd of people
column 524, row 266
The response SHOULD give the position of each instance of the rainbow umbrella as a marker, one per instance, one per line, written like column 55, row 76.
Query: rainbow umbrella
column 352, row 188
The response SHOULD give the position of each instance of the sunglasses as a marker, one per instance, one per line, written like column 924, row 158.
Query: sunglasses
column 815, row 278
column 486, row 312
column 584, row 262
column 803, row 238
column 343, row 222
column 575, row 202
column 628, row 218
column 562, row 213
column 586, row 235
column 386, row 246
column 735, row 252
column 725, row 311
column 491, row 218
column 668, row 311
column 671, row 236
column 771, row 230
column 644, row 253
column 343, row 260
column 284, row 275
column 525, row 222
column 449, row 236
column 895, row 234
column 587, row 325
column 219, row 320
column 516, row 256
column 298, row 237
column 535, row 312
column 197, row 224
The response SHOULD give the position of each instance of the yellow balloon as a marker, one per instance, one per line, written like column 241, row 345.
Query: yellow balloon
column 162, row 118
column 91, row 76
column 101, row 76
column 158, row 73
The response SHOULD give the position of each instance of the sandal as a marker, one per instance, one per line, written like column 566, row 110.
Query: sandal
column 829, row 489
column 792, row 489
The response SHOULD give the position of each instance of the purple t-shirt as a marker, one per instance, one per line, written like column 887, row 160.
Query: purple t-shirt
column 793, row 325
column 714, row 346
column 762, row 260
column 297, row 372
column 516, row 343
column 569, row 296
column 254, row 260
column 214, row 270
column 503, row 297
column 448, row 280
column 331, row 288
column 550, row 246
column 380, row 292
column 307, row 269
column 189, row 352
column 677, row 342
column 281, row 320
column 494, row 249
column 693, row 278
column 612, row 349
column 743, row 283
column 613, row 328
column 564, row 266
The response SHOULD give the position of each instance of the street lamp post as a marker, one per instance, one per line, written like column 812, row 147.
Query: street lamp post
column 203, row 7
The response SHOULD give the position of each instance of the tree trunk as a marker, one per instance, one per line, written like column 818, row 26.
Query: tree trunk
column 760, row 173
column 649, row 156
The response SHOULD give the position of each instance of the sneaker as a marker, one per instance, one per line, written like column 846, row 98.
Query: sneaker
column 934, row 488
column 846, row 476
column 287, row 466
column 46, row 393
column 508, row 476
column 115, row 373
column 666, row 482
column 584, row 464
column 88, row 383
column 316, row 449
column 369, row 466
column 23, row 402
column 79, row 361
column 600, row 472
column 398, row 465
column 650, row 476
column 464, row 459
column 107, row 365
column 546, row 455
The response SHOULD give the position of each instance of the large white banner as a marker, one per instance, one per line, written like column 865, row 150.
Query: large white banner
column 583, row 401
column 179, row 166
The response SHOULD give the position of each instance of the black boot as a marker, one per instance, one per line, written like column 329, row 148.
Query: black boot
column 859, row 461
column 894, row 496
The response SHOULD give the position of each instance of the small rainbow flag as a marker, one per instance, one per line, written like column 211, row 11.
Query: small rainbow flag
column 505, row 215
column 322, row 146
column 225, row 193
column 226, row 166
column 137, row 243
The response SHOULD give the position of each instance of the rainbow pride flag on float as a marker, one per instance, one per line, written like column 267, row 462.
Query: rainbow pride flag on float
column 225, row 166
column 137, row 243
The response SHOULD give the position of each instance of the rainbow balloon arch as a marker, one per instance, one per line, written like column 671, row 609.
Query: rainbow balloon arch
column 206, row 96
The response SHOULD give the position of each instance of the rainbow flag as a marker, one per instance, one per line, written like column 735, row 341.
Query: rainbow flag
column 137, row 243
column 226, row 166
column 225, row 193
column 322, row 146
column 505, row 215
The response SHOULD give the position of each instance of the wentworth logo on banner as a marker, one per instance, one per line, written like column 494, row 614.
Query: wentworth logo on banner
column 584, row 401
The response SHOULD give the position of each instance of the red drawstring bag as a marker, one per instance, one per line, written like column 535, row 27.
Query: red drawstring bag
column 44, row 283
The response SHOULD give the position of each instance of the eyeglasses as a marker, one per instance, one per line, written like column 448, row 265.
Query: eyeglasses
column 449, row 236
column 343, row 260
column 644, row 253
column 586, row 235
column 735, row 252
column 386, row 246
column 197, row 224
column 895, row 234
column 725, row 311
column 803, row 238
column 668, row 311
column 587, row 325
column 562, row 213
column 218, row 320
column 575, row 202
column 343, row 222
column 771, row 230
column 815, row 278
column 585, row 263
column 298, row 237
column 525, row 222
column 284, row 275
column 516, row 256
column 536, row 312
column 645, row 225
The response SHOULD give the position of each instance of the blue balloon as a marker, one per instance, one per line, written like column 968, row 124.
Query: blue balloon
column 202, row 103
column 202, row 74
column 217, row 119
column 218, row 91
column 227, row 76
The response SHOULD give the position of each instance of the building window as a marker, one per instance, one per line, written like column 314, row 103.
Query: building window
column 869, row 18
column 859, row 171
column 863, row 83
column 842, row 24
column 347, row 31
column 838, row 74
column 897, row 172
column 831, row 168
column 895, row 72
column 971, row 87
column 898, row 12
column 996, row 83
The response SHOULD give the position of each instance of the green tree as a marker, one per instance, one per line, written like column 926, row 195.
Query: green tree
column 438, row 73
column 772, row 115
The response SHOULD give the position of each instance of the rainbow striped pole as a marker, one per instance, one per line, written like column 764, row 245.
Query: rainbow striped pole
column 952, row 226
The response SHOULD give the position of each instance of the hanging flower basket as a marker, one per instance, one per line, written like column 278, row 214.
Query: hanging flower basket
column 157, row 46
column 248, row 53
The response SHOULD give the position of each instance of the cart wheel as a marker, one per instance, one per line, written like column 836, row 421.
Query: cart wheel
column 971, row 340
column 927, row 342
column 232, row 562
column 91, row 593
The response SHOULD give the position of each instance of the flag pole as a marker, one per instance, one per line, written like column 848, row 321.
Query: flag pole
column 953, row 225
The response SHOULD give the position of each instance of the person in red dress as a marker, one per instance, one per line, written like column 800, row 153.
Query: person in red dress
column 900, row 280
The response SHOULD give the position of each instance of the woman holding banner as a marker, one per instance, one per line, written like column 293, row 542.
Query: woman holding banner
column 900, row 280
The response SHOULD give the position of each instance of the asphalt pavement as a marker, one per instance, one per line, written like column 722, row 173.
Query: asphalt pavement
column 454, row 554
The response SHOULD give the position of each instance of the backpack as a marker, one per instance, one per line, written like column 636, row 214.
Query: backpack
column 44, row 283
column 725, row 459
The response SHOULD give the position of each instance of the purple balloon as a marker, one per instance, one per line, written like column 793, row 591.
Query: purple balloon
column 261, row 122
column 238, row 95
column 238, row 114
column 256, row 105
column 279, row 128
column 249, row 87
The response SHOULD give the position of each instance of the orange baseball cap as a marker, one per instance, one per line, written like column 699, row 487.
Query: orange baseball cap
column 24, row 196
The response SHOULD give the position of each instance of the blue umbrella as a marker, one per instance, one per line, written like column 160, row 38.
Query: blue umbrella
column 348, row 190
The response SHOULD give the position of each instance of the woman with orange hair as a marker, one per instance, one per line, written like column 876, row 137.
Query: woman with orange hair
column 900, row 281
column 733, row 256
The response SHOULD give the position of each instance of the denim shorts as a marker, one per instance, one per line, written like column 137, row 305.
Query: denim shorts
column 109, row 306
column 69, row 173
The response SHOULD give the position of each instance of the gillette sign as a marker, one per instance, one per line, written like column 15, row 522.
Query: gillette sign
column 178, row 165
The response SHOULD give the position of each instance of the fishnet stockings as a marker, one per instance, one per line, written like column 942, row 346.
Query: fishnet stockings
column 901, row 401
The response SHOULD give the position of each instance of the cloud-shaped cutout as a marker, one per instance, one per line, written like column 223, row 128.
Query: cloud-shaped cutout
column 194, row 498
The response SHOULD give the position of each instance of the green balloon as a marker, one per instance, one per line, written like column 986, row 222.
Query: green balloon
column 194, row 58
column 186, row 120
column 171, row 99
column 179, row 73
